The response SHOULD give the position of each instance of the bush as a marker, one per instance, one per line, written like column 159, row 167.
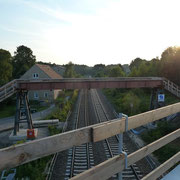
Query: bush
column 163, row 128
column 53, row 130
column 63, row 105
column 33, row 170
column 166, row 152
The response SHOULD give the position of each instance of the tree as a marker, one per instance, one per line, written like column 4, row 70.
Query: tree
column 5, row 66
column 170, row 64
column 22, row 61
column 69, row 72
column 136, row 63
column 131, row 103
column 134, row 72
column 116, row 72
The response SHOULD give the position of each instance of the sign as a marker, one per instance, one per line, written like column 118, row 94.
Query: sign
column 161, row 97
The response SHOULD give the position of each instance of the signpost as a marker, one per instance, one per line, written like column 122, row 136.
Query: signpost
column 161, row 97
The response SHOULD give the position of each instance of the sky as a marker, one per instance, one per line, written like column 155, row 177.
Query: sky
column 90, row 31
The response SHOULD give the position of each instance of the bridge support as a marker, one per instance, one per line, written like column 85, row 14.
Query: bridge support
column 23, row 114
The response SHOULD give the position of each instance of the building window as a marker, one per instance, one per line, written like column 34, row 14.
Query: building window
column 36, row 96
column 46, row 94
column 35, row 76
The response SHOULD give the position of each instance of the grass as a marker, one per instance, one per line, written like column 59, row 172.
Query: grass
column 34, row 169
column 8, row 108
column 53, row 130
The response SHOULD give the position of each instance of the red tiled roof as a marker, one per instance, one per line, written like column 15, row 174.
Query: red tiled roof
column 49, row 71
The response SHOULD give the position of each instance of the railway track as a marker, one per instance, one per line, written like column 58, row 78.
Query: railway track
column 111, row 144
column 80, row 158
column 83, row 157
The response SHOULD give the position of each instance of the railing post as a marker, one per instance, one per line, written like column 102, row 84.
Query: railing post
column 120, row 148
column 120, row 145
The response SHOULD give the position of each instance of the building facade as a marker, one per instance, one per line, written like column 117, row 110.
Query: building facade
column 39, row 71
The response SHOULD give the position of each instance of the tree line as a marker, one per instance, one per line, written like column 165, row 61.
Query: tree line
column 168, row 65
column 12, row 67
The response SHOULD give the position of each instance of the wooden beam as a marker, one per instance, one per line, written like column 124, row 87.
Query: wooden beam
column 163, row 167
column 20, row 154
column 23, row 153
column 117, row 164
column 103, row 131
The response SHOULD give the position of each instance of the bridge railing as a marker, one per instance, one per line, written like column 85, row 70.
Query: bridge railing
column 117, row 164
column 8, row 90
column 172, row 87
column 19, row 154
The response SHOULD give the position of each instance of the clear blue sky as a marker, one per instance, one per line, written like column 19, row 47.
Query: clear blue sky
column 90, row 31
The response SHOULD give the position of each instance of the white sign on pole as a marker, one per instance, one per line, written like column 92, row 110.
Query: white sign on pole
column 161, row 97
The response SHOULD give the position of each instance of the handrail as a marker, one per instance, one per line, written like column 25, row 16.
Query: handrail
column 8, row 90
column 117, row 164
column 171, row 87
column 19, row 154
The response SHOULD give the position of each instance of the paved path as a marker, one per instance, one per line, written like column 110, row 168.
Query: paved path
column 8, row 123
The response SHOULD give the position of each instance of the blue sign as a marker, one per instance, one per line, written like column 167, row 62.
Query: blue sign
column 161, row 97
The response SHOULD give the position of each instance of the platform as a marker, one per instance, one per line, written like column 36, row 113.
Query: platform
column 21, row 135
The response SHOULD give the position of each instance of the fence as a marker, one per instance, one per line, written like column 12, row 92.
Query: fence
column 23, row 153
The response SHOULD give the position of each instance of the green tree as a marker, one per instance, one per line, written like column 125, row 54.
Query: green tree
column 100, row 74
column 136, row 63
column 5, row 66
column 134, row 72
column 69, row 72
column 170, row 64
column 22, row 61
column 131, row 103
column 116, row 72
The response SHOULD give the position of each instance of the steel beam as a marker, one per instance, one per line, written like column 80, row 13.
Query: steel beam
column 81, row 83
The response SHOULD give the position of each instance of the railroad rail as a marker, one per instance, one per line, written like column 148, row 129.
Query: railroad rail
column 111, row 144
column 55, row 156
column 80, row 158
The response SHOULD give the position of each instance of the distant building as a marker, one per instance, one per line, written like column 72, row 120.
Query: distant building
column 39, row 71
